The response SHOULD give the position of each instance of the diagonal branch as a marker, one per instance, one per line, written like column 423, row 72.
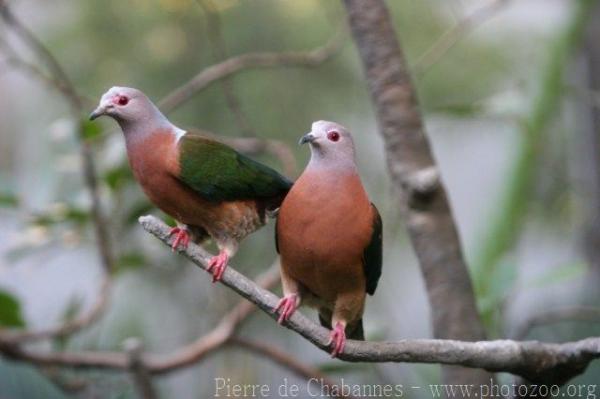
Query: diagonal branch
column 244, row 62
column 451, row 37
column 536, row 361
column 72, row 326
column 214, row 33
column 41, row 52
column 105, row 253
column 554, row 316
column 220, row 335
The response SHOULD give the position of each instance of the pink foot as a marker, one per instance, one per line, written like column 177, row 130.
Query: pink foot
column 218, row 263
column 182, row 238
column 288, row 305
column 337, row 339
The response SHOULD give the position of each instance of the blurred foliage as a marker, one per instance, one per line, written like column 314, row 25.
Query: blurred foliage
column 90, row 130
column 158, row 45
column 8, row 200
column 560, row 274
column 504, row 228
column 10, row 311
column 23, row 381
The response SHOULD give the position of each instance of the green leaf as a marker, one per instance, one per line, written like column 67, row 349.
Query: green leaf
column 130, row 260
column 77, row 216
column 8, row 200
column 116, row 177
column 71, row 214
column 460, row 110
column 10, row 311
column 559, row 274
column 503, row 278
column 90, row 130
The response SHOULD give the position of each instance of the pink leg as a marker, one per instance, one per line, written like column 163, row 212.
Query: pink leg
column 182, row 238
column 337, row 339
column 288, row 305
column 218, row 263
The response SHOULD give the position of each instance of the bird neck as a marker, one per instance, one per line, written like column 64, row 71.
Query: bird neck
column 332, row 161
column 334, row 166
column 142, row 128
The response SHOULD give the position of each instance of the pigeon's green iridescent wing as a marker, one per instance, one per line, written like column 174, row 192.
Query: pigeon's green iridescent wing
column 219, row 173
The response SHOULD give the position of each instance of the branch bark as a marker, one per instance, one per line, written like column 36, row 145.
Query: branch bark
column 542, row 363
column 234, row 65
column 141, row 378
column 535, row 361
column 423, row 199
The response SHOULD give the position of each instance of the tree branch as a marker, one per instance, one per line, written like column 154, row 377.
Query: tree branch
column 540, row 362
column 234, row 65
column 69, row 93
column 423, row 201
column 451, row 37
column 64, row 330
column 553, row 316
column 141, row 378
column 213, row 31
column 537, row 362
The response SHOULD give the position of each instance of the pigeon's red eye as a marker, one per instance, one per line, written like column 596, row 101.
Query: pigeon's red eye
column 333, row 136
column 122, row 100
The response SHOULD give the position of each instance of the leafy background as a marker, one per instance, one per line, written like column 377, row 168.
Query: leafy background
column 501, row 107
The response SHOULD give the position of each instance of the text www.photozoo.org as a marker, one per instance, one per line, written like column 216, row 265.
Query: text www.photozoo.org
column 320, row 388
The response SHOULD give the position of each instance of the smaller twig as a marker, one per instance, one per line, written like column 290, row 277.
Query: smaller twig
column 61, row 81
column 554, row 316
column 21, row 64
column 42, row 52
column 155, row 364
column 208, row 343
column 141, row 377
column 249, row 61
column 83, row 320
column 283, row 359
column 213, row 30
column 452, row 36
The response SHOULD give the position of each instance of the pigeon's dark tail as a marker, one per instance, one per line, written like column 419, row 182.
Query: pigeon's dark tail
column 358, row 333
column 353, row 331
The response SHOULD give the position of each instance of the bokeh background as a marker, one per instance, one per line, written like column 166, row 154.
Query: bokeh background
column 510, row 110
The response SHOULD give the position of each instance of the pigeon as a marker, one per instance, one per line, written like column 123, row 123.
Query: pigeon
column 211, row 190
column 329, row 236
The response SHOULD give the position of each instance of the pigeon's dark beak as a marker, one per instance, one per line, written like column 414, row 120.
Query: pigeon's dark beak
column 307, row 138
column 98, row 112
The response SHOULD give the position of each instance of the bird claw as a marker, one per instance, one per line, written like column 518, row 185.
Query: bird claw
column 337, row 339
column 288, row 305
column 218, row 263
column 182, row 238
